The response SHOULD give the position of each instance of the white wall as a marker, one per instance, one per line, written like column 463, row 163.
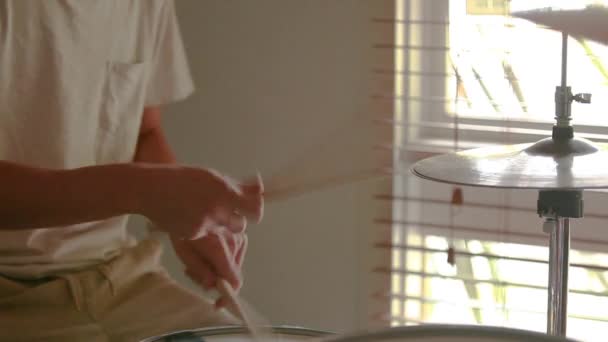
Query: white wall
column 275, row 77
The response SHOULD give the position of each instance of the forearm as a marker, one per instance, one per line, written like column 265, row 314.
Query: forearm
column 34, row 197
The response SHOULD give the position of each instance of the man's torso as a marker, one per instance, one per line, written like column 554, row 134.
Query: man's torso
column 73, row 83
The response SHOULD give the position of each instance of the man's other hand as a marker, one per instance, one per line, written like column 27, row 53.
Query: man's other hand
column 219, row 254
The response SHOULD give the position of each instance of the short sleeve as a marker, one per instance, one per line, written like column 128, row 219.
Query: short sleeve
column 169, row 77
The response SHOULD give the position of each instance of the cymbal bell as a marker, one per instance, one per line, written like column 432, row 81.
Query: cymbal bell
column 545, row 165
column 589, row 23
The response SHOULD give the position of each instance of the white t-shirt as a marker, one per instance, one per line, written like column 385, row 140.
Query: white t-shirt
column 75, row 76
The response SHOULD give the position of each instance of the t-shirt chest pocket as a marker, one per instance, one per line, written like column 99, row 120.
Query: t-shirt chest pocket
column 121, row 110
column 124, row 92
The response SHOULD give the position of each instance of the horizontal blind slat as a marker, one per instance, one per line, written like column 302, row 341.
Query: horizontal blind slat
column 391, row 46
column 494, row 282
column 410, row 21
column 481, row 306
column 392, row 246
column 487, row 128
column 390, row 197
column 483, row 231
column 439, row 99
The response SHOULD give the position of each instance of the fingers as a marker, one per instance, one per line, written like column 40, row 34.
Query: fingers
column 228, row 298
column 216, row 253
column 214, row 257
column 254, row 191
column 219, row 255
column 254, row 186
column 202, row 275
column 232, row 221
column 238, row 247
column 196, row 267
column 239, row 256
column 248, row 205
column 208, row 225
column 246, row 199
column 222, row 302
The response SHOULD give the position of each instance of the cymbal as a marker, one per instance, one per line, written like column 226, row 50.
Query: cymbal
column 544, row 165
column 589, row 23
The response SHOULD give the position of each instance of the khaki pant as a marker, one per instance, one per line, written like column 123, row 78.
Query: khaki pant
column 128, row 298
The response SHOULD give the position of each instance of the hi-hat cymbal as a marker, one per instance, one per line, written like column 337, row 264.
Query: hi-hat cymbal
column 589, row 23
column 575, row 164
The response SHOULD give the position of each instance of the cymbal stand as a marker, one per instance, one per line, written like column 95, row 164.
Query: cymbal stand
column 559, row 206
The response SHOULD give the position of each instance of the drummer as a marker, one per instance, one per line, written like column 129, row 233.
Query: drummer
column 81, row 146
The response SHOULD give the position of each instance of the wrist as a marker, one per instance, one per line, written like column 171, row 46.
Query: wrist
column 141, row 181
column 146, row 184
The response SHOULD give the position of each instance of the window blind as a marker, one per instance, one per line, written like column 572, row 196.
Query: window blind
column 458, row 79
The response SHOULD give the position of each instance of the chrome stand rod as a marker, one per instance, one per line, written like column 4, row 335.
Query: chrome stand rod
column 563, row 93
column 559, row 248
column 564, row 82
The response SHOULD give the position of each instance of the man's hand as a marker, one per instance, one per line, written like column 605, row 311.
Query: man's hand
column 216, row 242
column 184, row 201
column 190, row 202
column 204, row 212
column 219, row 254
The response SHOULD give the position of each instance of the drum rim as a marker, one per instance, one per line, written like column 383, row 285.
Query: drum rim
column 438, row 330
column 231, row 329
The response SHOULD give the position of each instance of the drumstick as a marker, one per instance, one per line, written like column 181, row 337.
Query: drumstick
column 259, row 333
column 330, row 160
column 276, row 191
column 234, row 306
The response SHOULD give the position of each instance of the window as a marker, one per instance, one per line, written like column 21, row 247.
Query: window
column 468, row 75
column 510, row 67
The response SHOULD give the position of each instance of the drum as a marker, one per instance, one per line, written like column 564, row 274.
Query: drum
column 421, row 333
column 449, row 333
column 238, row 334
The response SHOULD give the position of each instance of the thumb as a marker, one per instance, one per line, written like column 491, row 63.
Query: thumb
column 253, row 186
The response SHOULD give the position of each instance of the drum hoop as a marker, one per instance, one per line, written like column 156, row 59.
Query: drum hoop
column 232, row 329
column 438, row 330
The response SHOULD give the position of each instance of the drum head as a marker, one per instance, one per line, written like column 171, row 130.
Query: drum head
column 238, row 334
column 450, row 333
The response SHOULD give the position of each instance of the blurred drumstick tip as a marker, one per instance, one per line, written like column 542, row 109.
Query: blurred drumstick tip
column 233, row 305
column 277, row 190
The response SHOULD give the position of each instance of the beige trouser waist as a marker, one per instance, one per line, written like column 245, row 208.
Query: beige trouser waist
column 128, row 298
column 117, row 272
